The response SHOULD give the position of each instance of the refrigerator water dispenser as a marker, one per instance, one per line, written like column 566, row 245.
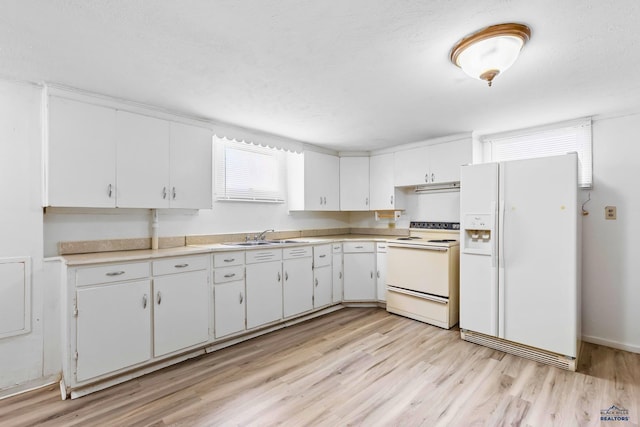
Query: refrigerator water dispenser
column 478, row 232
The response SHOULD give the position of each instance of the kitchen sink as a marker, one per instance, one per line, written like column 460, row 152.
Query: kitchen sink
column 262, row 242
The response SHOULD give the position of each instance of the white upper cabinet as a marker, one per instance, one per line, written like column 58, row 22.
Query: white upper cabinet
column 354, row 183
column 191, row 169
column 142, row 161
column 384, row 195
column 81, row 155
column 101, row 157
column 432, row 164
column 313, row 181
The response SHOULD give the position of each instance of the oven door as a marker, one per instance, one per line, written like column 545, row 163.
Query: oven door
column 419, row 268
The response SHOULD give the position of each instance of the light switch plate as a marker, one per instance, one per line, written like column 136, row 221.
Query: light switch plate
column 610, row 212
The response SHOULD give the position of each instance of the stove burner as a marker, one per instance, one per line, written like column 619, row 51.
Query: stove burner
column 442, row 241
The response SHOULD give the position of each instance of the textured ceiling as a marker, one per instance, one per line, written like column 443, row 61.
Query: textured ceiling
column 347, row 75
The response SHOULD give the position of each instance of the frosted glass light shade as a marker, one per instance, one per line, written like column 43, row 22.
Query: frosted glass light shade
column 489, row 52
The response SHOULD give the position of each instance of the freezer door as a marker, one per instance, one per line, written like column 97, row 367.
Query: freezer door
column 538, row 250
column 478, row 267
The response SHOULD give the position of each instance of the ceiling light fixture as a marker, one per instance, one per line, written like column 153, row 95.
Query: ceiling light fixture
column 489, row 52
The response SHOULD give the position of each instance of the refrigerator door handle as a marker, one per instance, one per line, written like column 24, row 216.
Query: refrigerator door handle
column 501, row 264
column 494, row 240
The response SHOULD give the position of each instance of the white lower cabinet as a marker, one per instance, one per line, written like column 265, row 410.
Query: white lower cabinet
column 181, row 311
column 113, row 327
column 297, row 289
column 336, row 269
column 322, row 276
column 229, row 308
column 359, row 262
column 381, row 274
column 264, row 287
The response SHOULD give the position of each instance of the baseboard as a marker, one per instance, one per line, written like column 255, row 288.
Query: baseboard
column 30, row 385
column 611, row 343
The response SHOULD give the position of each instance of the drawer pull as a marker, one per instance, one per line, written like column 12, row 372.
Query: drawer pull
column 115, row 273
column 359, row 247
column 159, row 298
column 144, row 301
column 229, row 260
column 230, row 275
column 322, row 256
column 241, row 298
column 181, row 265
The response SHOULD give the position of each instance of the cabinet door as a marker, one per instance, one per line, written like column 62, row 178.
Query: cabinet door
column 181, row 311
column 264, row 293
column 382, row 191
column 142, row 161
column 297, row 286
column 337, row 278
column 191, row 173
column 359, row 277
column 381, row 276
column 411, row 167
column 113, row 327
column 354, row 183
column 445, row 160
column 81, row 163
column 229, row 306
column 322, row 286
column 321, row 182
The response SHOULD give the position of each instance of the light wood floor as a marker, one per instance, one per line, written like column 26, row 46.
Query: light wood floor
column 353, row 367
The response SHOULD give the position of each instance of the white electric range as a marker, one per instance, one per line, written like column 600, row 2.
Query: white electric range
column 424, row 273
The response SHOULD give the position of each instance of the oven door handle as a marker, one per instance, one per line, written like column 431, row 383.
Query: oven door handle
column 420, row 295
column 419, row 247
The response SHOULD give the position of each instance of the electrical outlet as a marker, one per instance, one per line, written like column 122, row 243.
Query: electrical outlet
column 609, row 212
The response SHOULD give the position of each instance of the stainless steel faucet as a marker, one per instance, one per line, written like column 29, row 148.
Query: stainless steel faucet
column 262, row 235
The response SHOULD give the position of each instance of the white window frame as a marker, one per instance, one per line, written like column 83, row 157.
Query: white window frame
column 244, row 191
column 550, row 140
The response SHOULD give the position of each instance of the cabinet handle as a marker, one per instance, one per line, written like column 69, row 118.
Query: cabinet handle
column 115, row 273
column 229, row 260
column 325, row 200
column 279, row 277
column 433, row 177
column 378, row 274
column 340, row 275
column 144, row 301
column 164, row 192
column 372, row 274
column 359, row 247
column 426, row 177
column 320, row 199
column 159, row 298
column 322, row 256
column 392, row 199
column 316, row 282
column 173, row 193
column 110, row 190
column 241, row 298
column 366, row 201
column 181, row 265
column 230, row 275
column 286, row 276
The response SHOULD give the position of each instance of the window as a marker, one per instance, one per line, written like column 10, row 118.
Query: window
column 552, row 140
column 247, row 172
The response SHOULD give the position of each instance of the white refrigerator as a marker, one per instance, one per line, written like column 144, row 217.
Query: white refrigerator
column 520, row 253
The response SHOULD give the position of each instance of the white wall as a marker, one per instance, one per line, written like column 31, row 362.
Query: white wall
column 21, row 357
column 611, row 251
column 225, row 217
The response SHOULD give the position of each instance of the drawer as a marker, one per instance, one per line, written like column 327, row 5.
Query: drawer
column 228, row 274
column 350, row 247
column 434, row 311
column 226, row 259
column 111, row 273
column 336, row 248
column 321, row 255
column 263, row 255
column 180, row 265
column 381, row 247
column 299, row 252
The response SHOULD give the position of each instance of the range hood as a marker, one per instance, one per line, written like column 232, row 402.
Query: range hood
column 442, row 187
